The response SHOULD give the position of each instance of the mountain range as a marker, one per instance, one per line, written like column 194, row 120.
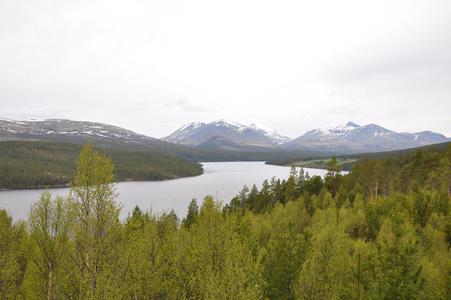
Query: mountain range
column 348, row 138
column 221, row 135
column 64, row 130
column 354, row 138
column 227, row 135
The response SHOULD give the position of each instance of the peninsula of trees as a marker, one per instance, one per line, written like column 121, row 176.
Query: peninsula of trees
column 44, row 164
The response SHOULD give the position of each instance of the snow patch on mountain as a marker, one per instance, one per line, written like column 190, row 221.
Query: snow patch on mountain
column 197, row 133
column 69, row 130
column 271, row 133
column 367, row 138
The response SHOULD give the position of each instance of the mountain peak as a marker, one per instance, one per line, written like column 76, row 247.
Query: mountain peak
column 72, row 131
column 366, row 138
column 262, row 127
column 352, row 124
column 190, row 125
column 253, row 135
column 222, row 122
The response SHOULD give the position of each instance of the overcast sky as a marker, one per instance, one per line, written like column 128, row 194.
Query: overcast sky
column 152, row 66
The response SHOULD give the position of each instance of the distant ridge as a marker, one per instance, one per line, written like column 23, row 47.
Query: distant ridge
column 348, row 138
column 354, row 138
column 75, row 132
column 197, row 139
column 223, row 133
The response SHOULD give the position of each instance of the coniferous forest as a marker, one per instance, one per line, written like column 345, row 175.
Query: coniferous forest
column 383, row 231
column 42, row 164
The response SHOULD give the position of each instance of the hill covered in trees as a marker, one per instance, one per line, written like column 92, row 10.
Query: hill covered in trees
column 38, row 164
column 346, row 161
column 381, row 232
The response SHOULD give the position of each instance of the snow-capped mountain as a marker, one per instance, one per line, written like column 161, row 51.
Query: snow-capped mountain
column 72, row 131
column 368, row 138
column 222, row 135
column 271, row 133
column 222, row 132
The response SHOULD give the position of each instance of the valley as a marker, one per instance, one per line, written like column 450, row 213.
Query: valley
column 48, row 148
column 225, row 150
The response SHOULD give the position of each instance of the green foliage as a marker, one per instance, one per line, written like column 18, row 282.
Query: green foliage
column 284, row 257
column 49, row 223
column 396, row 259
column 332, row 181
column 221, row 265
column 12, row 257
column 326, row 272
column 381, row 232
column 33, row 164
column 193, row 213
column 96, row 221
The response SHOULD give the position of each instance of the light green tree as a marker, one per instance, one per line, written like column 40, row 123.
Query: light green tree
column 49, row 223
column 397, row 271
column 12, row 260
column 96, row 220
column 219, row 264
column 327, row 270
column 283, row 262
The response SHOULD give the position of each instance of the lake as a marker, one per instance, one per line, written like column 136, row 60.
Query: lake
column 223, row 180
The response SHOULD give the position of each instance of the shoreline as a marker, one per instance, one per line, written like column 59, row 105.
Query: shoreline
column 62, row 186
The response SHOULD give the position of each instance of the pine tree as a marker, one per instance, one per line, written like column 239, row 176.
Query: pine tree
column 300, row 184
column 264, row 198
column 193, row 212
column 290, row 188
column 253, row 198
column 333, row 177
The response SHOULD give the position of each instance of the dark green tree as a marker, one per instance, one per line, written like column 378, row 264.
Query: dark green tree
column 191, row 216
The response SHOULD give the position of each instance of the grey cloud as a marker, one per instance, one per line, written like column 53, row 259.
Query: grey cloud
column 392, row 62
column 147, row 64
column 425, row 51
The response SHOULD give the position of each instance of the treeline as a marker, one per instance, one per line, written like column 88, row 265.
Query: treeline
column 347, row 160
column 381, row 232
column 409, row 174
column 39, row 164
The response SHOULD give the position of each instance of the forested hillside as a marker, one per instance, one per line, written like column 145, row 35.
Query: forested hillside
column 381, row 232
column 347, row 161
column 37, row 164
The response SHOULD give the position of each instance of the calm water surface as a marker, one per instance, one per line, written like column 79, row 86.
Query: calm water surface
column 223, row 180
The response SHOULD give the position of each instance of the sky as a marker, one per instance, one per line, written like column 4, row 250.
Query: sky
column 153, row 65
